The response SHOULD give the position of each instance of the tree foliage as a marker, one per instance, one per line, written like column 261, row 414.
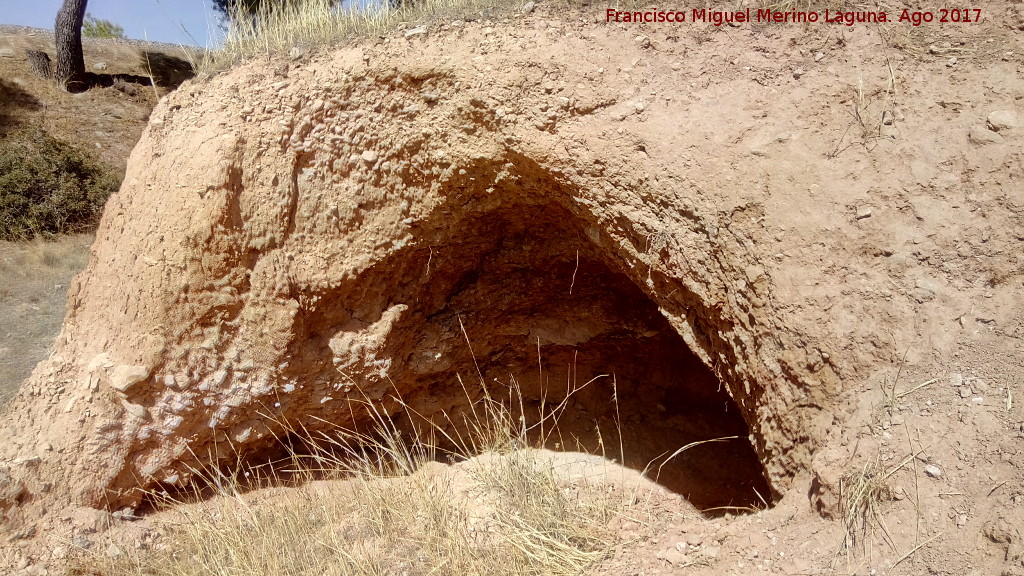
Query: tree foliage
column 96, row 28
column 229, row 7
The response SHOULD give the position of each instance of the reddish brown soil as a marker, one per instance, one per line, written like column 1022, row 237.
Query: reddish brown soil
column 829, row 219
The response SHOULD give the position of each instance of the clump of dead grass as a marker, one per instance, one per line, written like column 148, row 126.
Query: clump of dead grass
column 864, row 490
column 861, row 492
column 277, row 28
column 390, row 508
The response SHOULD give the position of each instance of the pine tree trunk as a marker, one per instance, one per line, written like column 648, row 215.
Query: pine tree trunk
column 40, row 63
column 70, row 71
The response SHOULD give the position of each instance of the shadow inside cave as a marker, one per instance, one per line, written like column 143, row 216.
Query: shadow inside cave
column 523, row 307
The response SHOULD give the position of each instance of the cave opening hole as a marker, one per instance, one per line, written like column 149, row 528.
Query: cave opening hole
column 526, row 308
column 525, row 305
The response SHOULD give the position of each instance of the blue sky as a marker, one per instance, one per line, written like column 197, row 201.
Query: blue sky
column 156, row 20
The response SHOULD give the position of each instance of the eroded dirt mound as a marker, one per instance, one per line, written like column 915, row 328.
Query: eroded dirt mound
column 716, row 243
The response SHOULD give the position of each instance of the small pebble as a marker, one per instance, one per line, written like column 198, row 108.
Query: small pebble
column 1002, row 120
column 982, row 135
column 416, row 31
column 933, row 471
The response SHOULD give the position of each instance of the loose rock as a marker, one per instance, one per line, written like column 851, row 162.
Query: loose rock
column 674, row 557
column 417, row 31
column 126, row 377
column 1002, row 120
column 933, row 471
column 137, row 410
column 981, row 135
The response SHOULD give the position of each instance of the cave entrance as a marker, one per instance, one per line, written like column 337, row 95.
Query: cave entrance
column 520, row 293
column 546, row 309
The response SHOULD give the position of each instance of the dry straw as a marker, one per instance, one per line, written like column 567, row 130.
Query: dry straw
column 390, row 509
column 277, row 28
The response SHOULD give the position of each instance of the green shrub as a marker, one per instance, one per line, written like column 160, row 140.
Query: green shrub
column 48, row 187
column 94, row 28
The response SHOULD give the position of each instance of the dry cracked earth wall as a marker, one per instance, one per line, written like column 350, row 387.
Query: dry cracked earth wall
column 291, row 242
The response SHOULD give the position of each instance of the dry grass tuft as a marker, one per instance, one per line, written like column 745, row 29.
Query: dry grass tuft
column 861, row 491
column 389, row 508
column 278, row 27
